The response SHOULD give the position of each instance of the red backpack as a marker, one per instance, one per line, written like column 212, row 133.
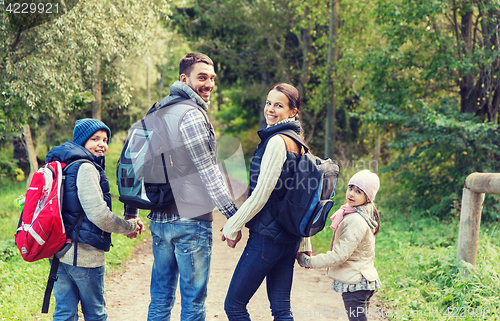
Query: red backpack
column 41, row 233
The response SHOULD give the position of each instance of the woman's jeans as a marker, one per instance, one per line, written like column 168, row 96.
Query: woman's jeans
column 357, row 304
column 180, row 248
column 75, row 284
column 262, row 259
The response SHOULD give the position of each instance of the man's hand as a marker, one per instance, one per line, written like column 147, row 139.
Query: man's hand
column 138, row 230
column 141, row 225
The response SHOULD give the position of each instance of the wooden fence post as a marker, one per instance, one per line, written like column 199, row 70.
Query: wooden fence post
column 476, row 185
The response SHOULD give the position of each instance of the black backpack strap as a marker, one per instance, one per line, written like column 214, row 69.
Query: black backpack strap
column 50, row 284
column 153, row 108
column 77, row 236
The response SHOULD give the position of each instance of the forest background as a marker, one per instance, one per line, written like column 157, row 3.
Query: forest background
column 409, row 89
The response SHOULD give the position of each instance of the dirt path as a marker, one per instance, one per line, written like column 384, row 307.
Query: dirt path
column 127, row 292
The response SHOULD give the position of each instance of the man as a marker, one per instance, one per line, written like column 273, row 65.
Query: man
column 182, row 236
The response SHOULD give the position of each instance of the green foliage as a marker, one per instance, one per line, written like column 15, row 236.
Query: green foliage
column 439, row 147
column 8, row 166
column 259, row 44
column 431, row 86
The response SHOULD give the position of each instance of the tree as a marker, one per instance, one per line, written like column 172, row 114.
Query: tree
column 46, row 72
column 260, row 43
column 434, row 84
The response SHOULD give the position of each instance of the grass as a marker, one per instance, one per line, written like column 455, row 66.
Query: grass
column 416, row 261
column 22, row 284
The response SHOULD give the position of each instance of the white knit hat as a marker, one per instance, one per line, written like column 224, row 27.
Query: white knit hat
column 367, row 181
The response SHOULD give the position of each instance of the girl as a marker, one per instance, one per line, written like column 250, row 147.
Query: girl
column 352, row 252
column 270, row 251
column 86, row 190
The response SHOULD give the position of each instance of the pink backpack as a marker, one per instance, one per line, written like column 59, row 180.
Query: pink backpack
column 41, row 233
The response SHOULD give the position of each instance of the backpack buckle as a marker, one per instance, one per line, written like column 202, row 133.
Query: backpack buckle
column 59, row 254
column 53, row 277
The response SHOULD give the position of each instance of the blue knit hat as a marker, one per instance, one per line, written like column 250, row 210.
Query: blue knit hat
column 86, row 127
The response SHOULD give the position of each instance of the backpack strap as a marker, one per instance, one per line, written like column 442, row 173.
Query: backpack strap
column 292, row 146
column 50, row 284
column 298, row 140
column 183, row 100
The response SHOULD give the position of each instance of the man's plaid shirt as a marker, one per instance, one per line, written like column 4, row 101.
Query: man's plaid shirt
column 195, row 130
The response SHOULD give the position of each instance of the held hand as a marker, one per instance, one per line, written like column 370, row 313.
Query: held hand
column 132, row 235
column 305, row 252
column 138, row 229
column 140, row 224
column 232, row 243
column 223, row 238
column 304, row 260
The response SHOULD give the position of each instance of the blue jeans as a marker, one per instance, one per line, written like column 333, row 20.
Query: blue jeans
column 76, row 284
column 262, row 259
column 182, row 250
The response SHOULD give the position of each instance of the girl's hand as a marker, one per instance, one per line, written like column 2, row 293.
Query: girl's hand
column 304, row 260
column 305, row 252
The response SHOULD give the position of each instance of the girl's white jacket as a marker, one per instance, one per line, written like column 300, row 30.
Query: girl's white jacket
column 352, row 251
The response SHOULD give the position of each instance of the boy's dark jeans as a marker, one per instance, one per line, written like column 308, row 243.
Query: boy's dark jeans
column 357, row 304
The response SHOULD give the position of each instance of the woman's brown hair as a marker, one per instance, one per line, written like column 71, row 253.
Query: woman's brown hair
column 292, row 94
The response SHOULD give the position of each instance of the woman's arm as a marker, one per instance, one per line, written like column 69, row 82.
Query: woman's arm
column 270, row 170
column 92, row 201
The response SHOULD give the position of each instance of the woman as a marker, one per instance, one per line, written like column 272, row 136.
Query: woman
column 270, row 251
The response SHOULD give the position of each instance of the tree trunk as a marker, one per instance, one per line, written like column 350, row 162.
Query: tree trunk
column 30, row 149
column 376, row 152
column 97, row 90
column 148, row 94
column 305, row 41
column 265, row 77
column 479, row 90
column 331, row 62
column 20, row 153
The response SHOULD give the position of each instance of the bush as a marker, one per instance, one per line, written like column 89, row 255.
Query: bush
column 8, row 167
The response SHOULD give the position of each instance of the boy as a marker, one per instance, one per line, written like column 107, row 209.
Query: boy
column 87, row 199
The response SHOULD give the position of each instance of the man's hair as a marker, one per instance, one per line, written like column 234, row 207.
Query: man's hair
column 188, row 61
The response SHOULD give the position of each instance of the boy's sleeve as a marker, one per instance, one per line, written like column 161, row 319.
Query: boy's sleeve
column 92, row 201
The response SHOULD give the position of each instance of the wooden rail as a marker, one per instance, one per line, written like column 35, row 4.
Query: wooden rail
column 476, row 185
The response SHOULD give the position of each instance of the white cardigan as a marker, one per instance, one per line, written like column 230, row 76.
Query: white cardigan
column 270, row 170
